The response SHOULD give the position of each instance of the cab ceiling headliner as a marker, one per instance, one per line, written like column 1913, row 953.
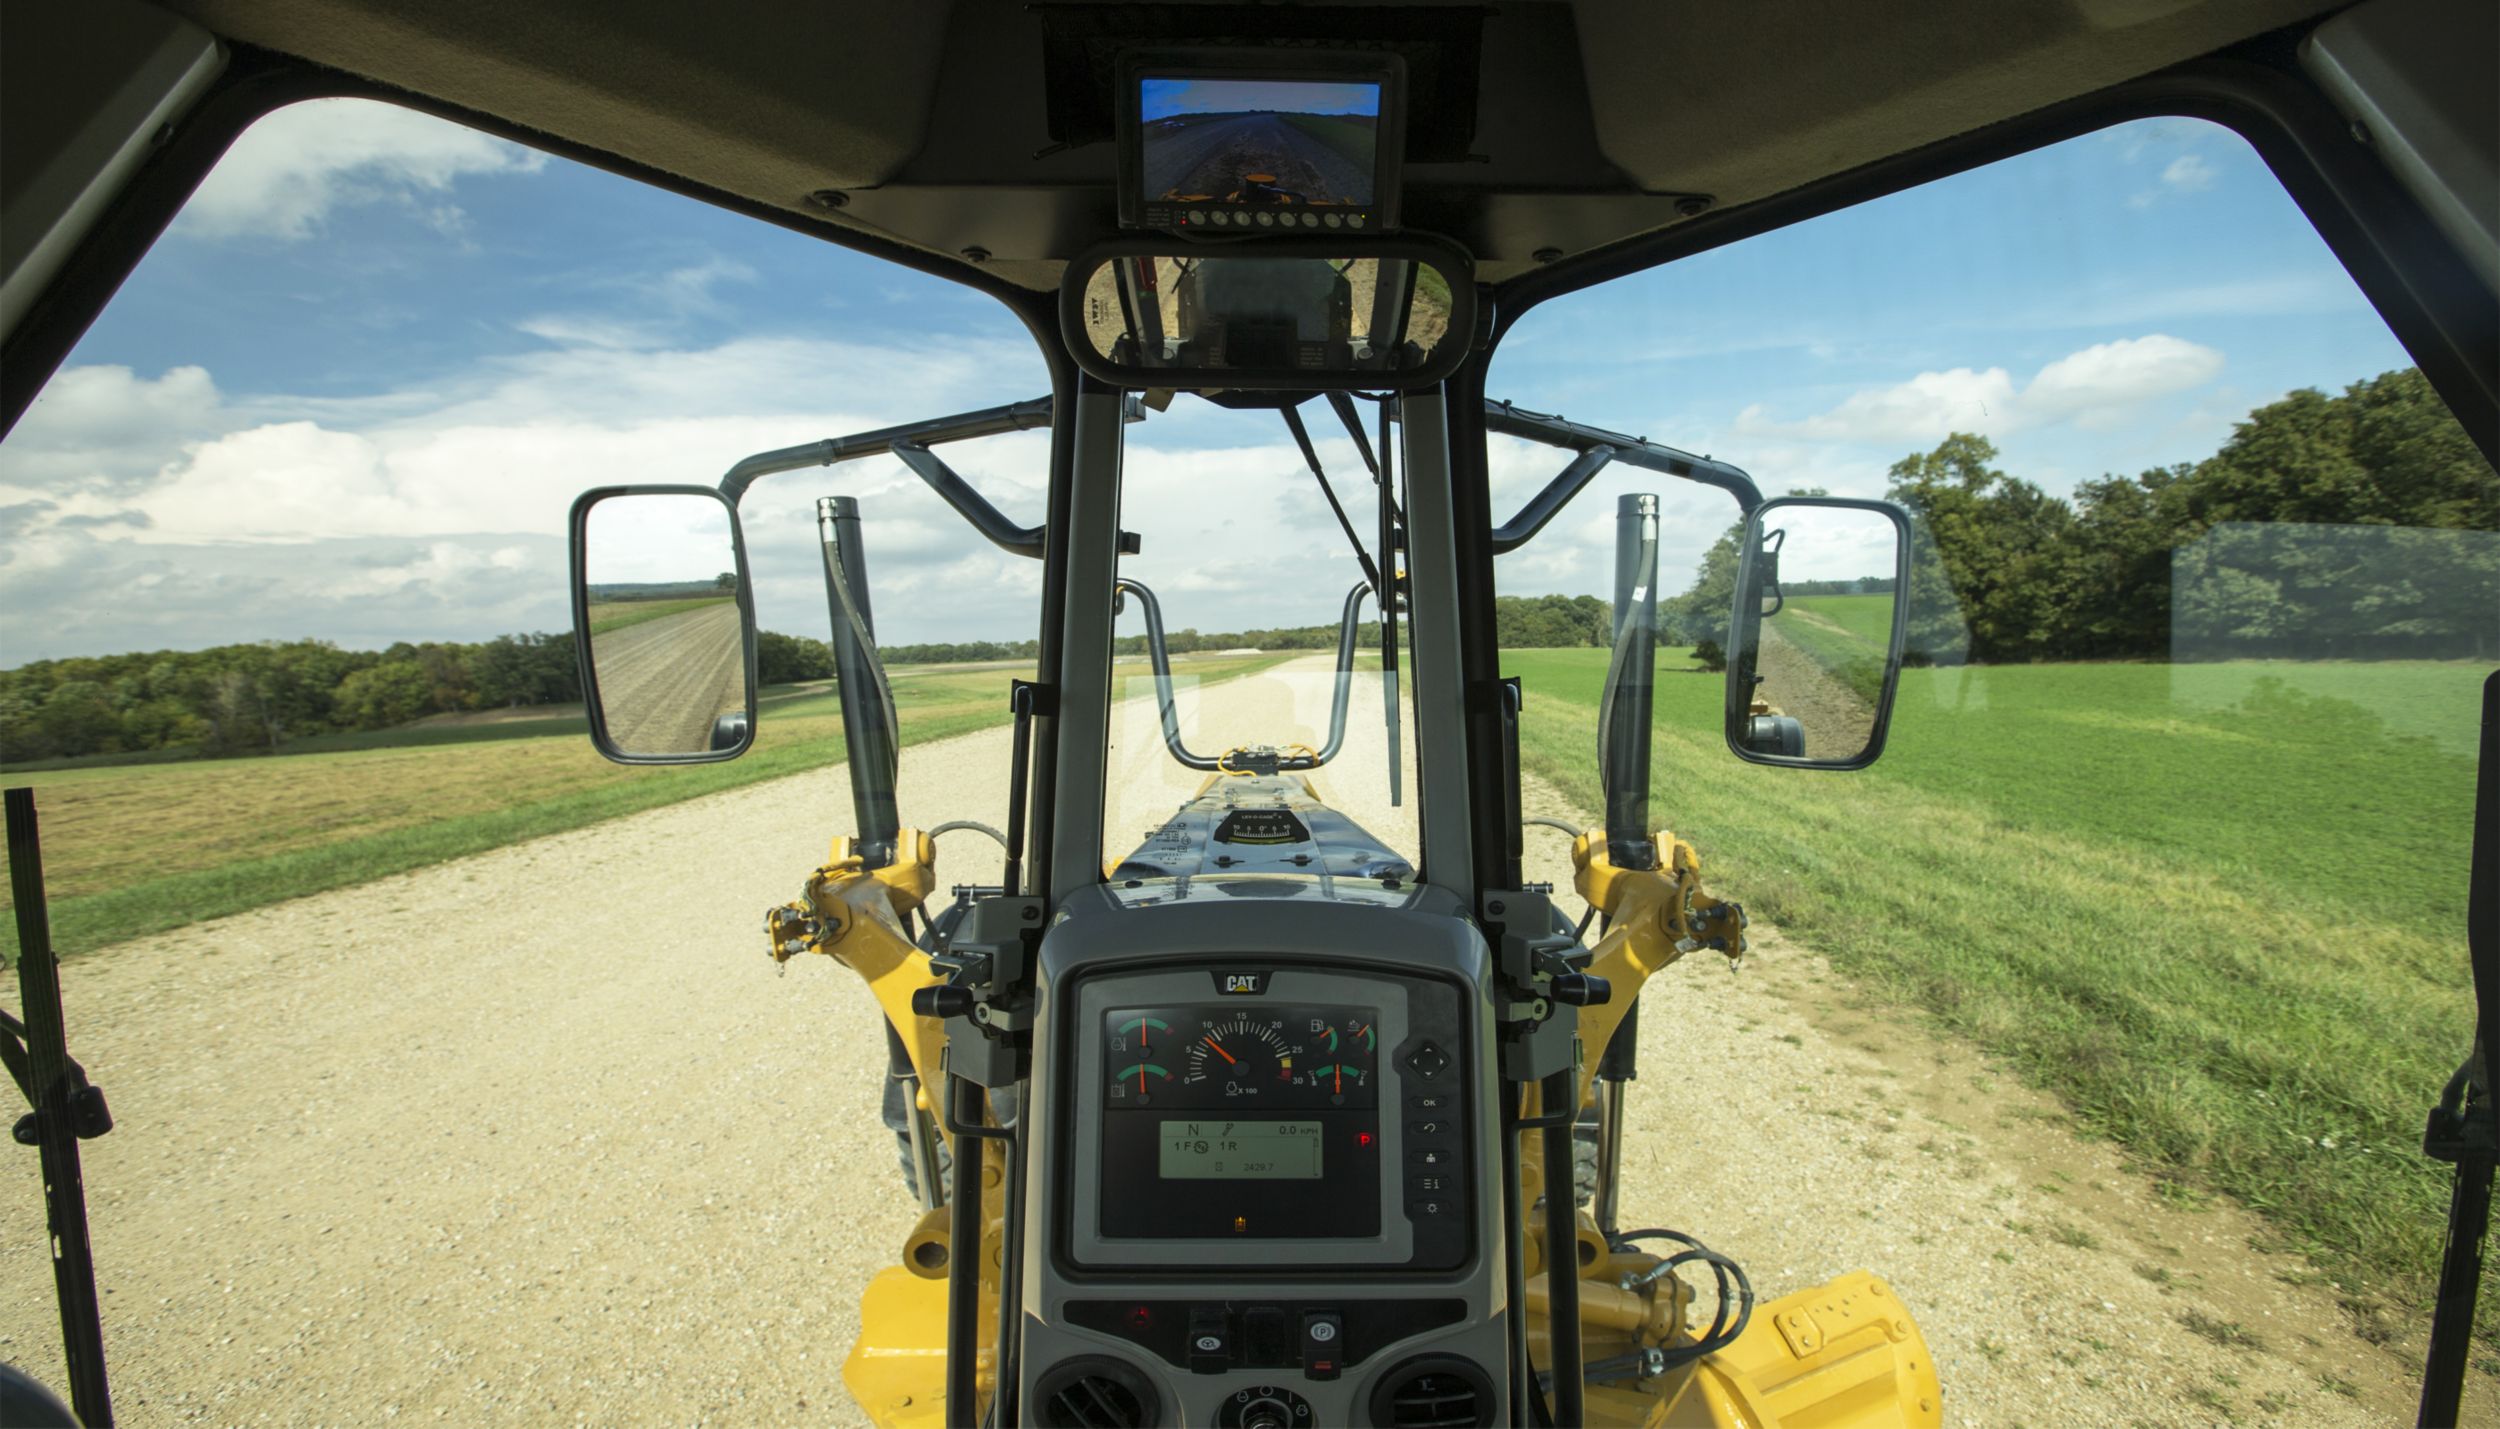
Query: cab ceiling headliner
column 927, row 117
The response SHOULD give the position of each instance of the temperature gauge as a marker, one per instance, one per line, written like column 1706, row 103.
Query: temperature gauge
column 1139, row 1057
column 1342, row 1050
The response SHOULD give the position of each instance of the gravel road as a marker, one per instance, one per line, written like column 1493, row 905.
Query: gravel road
column 539, row 1136
column 1212, row 157
column 662, row 682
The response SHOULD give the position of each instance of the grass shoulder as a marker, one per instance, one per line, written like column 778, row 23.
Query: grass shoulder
column 2216, row 909
column 135, row 849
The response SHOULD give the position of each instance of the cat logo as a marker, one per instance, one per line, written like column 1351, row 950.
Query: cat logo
column 1241, row 984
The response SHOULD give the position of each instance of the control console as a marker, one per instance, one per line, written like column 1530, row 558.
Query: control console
column 1269, row 1200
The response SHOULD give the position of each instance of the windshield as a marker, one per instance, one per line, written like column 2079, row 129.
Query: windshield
column 1275, row 756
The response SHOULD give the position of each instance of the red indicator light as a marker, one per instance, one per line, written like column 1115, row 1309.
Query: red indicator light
column 1362, row 1138
column 1140, row 1317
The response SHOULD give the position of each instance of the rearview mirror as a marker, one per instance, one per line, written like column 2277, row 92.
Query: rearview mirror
column 1815, row 639
column 1307, row 313
column 664, row 622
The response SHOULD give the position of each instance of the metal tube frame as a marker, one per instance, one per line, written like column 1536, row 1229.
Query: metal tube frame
column 1597, row 448
column 1159, row 656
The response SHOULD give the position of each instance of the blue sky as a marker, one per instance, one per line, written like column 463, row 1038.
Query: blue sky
column 1162, row 98
column 352, row 392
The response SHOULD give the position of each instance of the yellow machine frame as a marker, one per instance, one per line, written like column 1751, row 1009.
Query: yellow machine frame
column 1843, row 1355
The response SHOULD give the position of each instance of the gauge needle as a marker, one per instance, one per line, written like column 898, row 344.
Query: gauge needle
column 1219, row 1051
column 1339, row 1069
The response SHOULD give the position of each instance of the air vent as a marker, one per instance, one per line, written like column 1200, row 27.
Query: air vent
column 1094, row 1393
column 1438, row 1392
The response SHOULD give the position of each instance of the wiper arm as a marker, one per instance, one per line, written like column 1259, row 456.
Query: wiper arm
column 1310, row 455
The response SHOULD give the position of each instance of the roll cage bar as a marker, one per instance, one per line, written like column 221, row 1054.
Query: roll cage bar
column 1595, row 448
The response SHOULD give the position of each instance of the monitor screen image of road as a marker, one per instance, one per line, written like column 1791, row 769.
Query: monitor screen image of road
column 666, row 647
column 1259, row 141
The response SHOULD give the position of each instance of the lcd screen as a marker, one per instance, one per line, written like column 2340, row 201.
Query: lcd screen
column 1254, row 141
column 1213, row 1150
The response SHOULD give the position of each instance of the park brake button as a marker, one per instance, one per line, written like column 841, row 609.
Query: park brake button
column 1323, row 1344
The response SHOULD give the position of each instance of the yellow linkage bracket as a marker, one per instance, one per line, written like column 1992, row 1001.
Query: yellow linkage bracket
column 1843, row 1355
column 854, row 915
column 1653, row 917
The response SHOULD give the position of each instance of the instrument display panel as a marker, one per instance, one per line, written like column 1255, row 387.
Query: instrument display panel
column 1237, row 1122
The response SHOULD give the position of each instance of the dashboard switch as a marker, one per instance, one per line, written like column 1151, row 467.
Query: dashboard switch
column 1210, row 1341
column 1323, row 1344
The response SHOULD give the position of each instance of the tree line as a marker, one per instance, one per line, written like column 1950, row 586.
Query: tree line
column 254, row 698
column 235, row 699
column 2353, row 526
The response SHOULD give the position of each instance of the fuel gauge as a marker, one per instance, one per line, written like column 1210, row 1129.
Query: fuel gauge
column 1343, row 1053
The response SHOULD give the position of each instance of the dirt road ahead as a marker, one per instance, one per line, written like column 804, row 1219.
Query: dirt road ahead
column 540, row 1137
column 662, row 682
column 1214, row 155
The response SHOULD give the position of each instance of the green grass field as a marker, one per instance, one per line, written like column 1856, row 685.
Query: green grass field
column 1845, row 634
column 617, row 614
column 2218, row 909
column 133, row 849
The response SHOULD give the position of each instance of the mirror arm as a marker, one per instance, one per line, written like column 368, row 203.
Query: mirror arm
column 1541, row 508
column 971, row 505
column 1513, row 421
column 1022, row 416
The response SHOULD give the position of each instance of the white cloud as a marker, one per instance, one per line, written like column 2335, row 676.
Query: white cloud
column 2188, row 173
column 144, row 511
column 107, row 428
column 288, row 172
column 2095, row 387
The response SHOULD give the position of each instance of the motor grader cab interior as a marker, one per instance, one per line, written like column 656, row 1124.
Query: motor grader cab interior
column 1271, row 1117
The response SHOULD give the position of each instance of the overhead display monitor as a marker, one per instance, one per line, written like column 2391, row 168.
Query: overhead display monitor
column 1236, row 148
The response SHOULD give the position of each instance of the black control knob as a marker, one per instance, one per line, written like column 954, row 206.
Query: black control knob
column 1264, row 1406
column 942, row 1000
column 1581, row 989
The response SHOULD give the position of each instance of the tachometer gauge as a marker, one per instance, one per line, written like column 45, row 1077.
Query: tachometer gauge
column 1238, row 1057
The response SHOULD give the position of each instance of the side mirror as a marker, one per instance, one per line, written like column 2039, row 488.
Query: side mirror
column 664, row 619
column 1815, row 638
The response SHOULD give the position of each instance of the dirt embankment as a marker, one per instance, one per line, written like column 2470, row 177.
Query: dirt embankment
column 539, row 1136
